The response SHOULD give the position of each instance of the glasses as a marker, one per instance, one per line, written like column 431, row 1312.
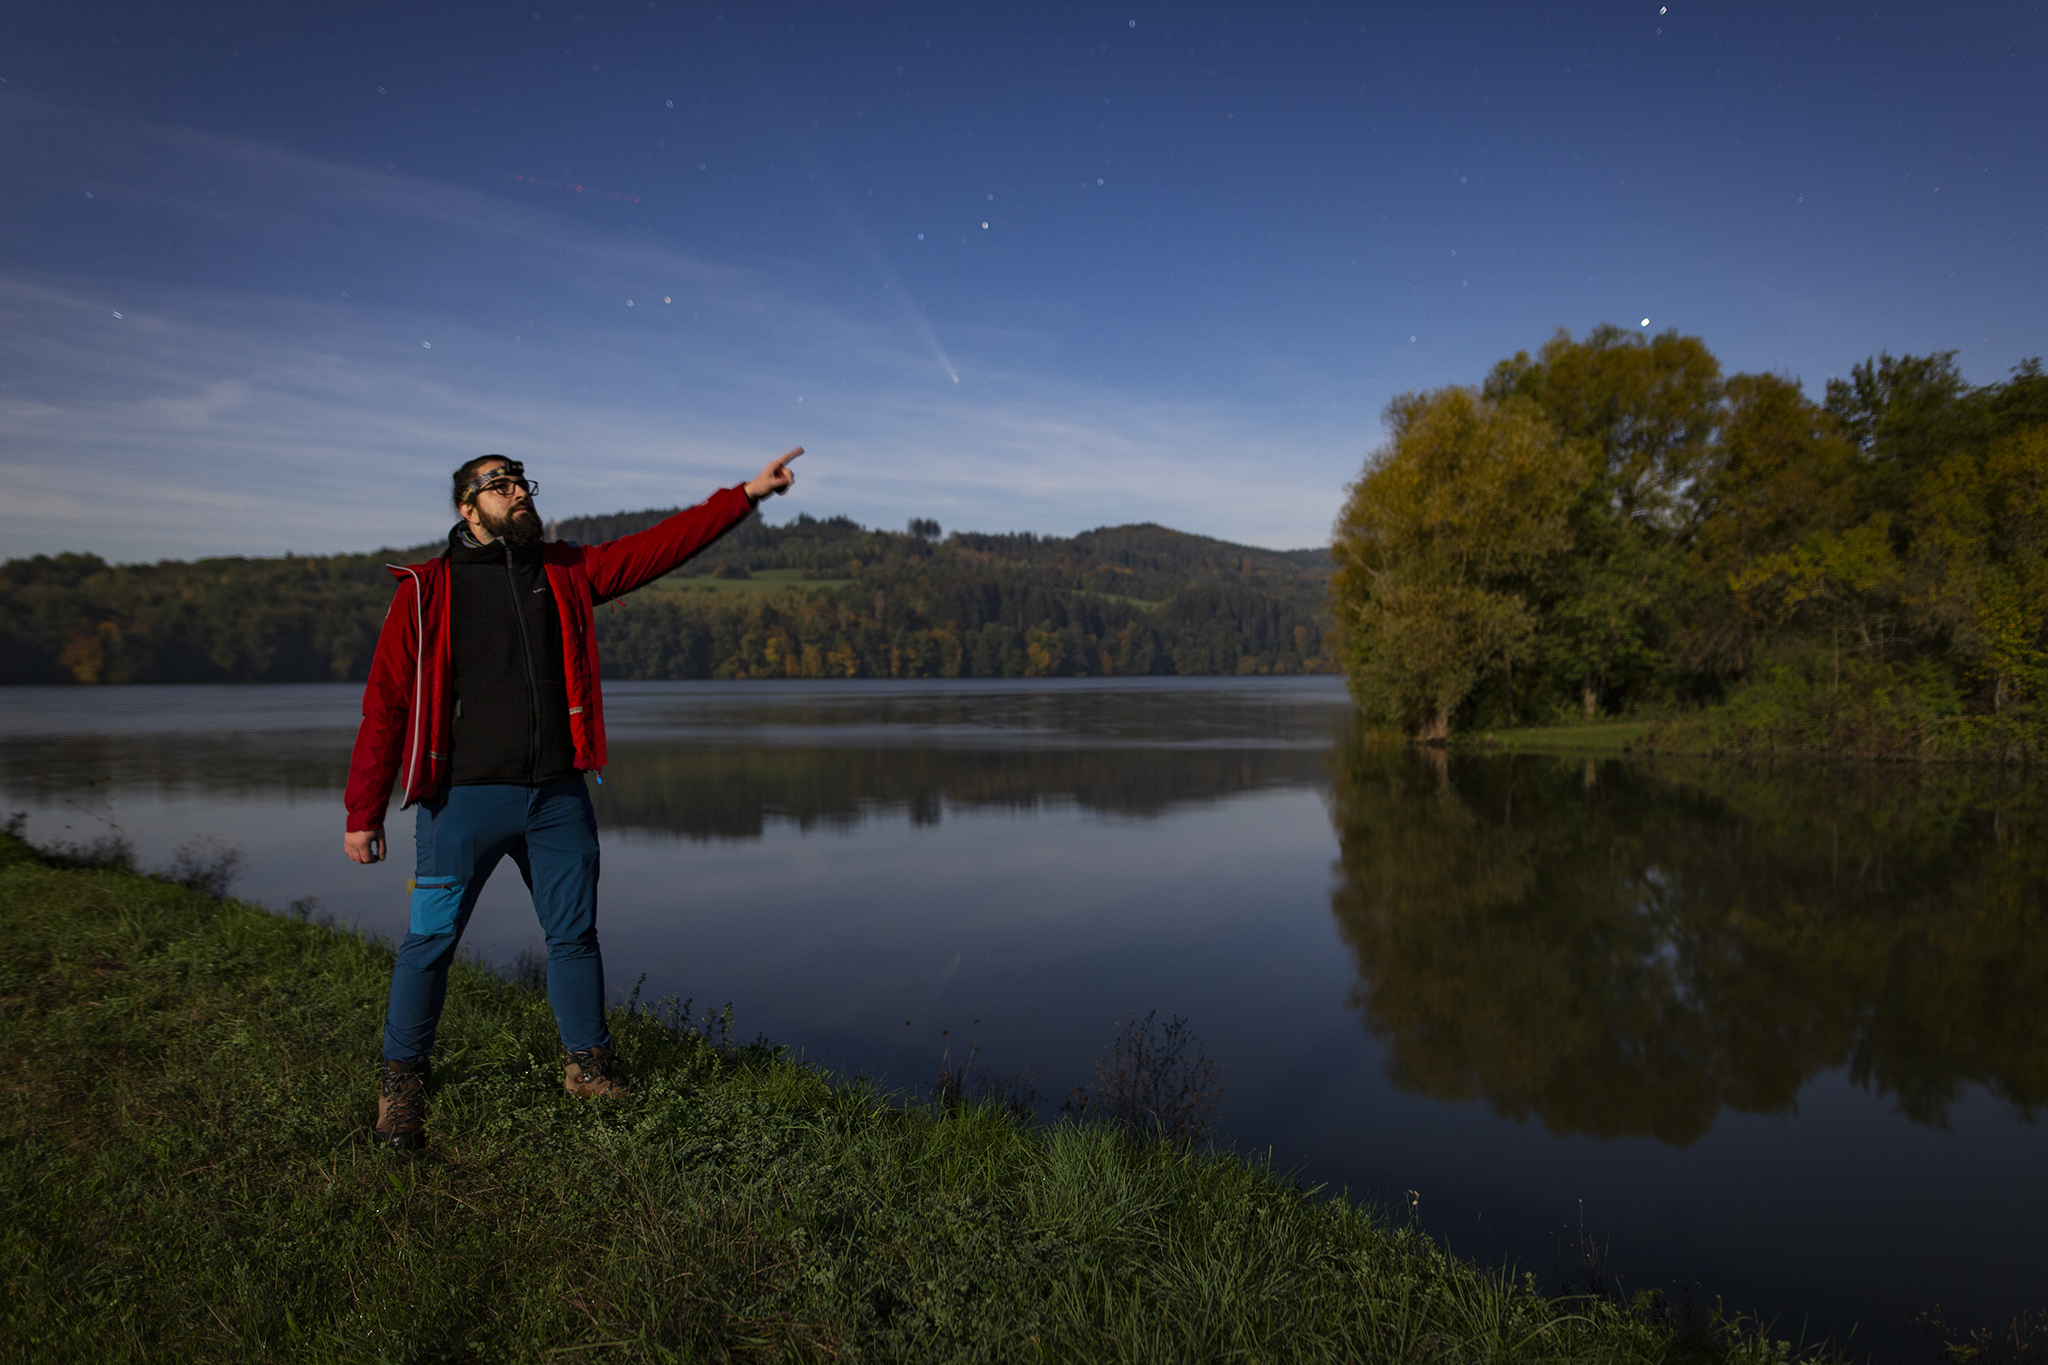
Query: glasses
column 502, row 481
column 503, row 487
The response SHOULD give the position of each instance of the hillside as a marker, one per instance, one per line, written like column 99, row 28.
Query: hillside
column 1146, row 561
column 813, row 598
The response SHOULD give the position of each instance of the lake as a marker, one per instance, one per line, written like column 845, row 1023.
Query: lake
column 1773, row 1034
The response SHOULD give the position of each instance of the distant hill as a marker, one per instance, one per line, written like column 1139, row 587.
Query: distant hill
column 811, row 598
column 1146, row 561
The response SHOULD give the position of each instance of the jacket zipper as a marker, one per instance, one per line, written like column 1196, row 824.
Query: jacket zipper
column 419, row 677
column 532, row 679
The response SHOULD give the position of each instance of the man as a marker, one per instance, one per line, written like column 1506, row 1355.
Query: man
column 483, row 705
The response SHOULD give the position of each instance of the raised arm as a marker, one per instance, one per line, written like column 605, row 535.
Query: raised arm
column 619, row 566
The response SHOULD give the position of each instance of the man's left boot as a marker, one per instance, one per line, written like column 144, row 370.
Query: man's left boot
column 591, row 1072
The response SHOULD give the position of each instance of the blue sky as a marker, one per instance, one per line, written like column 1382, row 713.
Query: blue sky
column 269, row 271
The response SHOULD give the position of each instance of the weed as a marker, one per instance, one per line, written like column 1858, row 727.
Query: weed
column 306, row 910
column 1012, row 1090
column 530, row 968
column 207, row 865
column 111, row 850
column 2023, row 1341
column 1153, row 1079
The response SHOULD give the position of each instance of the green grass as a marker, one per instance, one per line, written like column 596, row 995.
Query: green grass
column 764, row 580
column 1612, row 737
column 188, row 1176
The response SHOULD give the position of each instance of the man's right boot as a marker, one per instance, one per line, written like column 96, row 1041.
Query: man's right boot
column 593, row 1072
column 402, row 1104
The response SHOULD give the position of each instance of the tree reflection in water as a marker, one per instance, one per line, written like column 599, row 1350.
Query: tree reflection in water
column 1624, row 948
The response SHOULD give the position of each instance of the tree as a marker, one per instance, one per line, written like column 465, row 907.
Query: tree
column 1466, row 500
column 1982, row 561
column 1904, row 415
column 1840, row 580
column 1783, row 471
column 1650, row 408
column 1603, row 608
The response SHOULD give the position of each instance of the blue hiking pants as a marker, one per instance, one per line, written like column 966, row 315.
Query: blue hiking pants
column 550, row 832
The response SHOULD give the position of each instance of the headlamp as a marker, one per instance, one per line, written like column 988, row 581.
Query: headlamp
column 511, row 472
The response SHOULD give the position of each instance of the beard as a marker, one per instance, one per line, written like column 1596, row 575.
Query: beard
column 518, row 528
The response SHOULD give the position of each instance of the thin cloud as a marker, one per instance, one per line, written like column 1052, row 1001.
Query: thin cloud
column 219, row 416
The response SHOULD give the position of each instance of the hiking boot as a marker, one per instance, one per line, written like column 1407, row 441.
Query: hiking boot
column 402, row 1104
column 592, row 1072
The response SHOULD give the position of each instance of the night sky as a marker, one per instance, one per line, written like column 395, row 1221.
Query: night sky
column 268, row 272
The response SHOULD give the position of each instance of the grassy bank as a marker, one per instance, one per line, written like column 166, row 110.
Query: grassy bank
column 1814, row 707
column 1857, row 709
column 187, row 1176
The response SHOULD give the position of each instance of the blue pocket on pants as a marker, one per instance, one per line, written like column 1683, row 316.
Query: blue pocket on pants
column 436, row 905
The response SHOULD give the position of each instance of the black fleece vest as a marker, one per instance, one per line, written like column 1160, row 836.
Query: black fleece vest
column 511, row 700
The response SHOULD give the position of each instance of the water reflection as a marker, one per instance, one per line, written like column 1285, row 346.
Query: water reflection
column 1626, row 948
column 711, row 762
column 734, row 791
column 1132, row 711
column 50, row 768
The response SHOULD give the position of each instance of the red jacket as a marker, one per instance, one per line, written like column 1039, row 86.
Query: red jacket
column 408, row 705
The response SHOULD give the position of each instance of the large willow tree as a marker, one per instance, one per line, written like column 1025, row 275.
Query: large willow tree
column 1437, row 543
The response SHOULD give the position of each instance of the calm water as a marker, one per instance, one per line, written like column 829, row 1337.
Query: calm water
column 1777, row 1034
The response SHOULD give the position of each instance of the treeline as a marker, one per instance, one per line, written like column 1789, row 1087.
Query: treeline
column 1615, row 526
column 853, row 602
column 75, row 618
column 946, row 620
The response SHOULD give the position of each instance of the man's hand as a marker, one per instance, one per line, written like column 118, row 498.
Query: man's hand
column 776, row 478
column 364, row 845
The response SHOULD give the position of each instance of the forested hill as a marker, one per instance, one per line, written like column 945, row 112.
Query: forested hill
column 811, row 598
column 1146, row 561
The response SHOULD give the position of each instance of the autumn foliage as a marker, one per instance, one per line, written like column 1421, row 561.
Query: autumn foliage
column 1613, row 526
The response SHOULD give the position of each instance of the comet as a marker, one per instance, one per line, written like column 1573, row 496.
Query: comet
column 575, row 189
